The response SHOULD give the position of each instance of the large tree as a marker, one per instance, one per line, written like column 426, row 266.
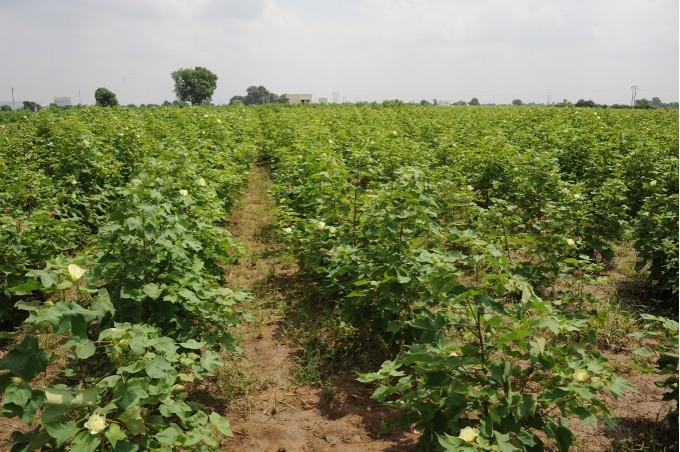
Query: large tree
column 105, row 97
column 195, row 85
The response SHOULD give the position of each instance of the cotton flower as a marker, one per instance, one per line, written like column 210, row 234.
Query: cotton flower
column 184, row 192
column 320, row 224
column 577, row 196
column 75, row 272
column 468, row 434
column 653, row 183
column 202, row 182
column 571, row 242
column 288, row 230
column 96, row 424
column 580, row 375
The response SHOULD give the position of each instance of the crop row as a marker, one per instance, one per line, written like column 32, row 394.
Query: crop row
column 460, row 239
column 112, row 269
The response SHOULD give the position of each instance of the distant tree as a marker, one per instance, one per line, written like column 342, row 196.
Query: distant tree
column 259, row 95
column 517, row 102
column 5, row 108
column 425, row 102
column 474, row 101
column 195, row 85
column 585, row 103
column 131, row 106
column 105, row 97
column 33, row 106
column 167, row 103
column 460, row 102
column 392, row 102
column 643, row 103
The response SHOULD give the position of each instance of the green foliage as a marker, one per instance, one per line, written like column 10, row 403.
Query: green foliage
column 258, row 95
column 195, row 85
column 104, row 97
column 450, row 235
column 140, row 313
column 663, row 333
column 656, row 230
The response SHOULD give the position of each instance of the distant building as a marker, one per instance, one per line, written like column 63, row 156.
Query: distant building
column 62, row 101
column 296, row 99
column 323, row 100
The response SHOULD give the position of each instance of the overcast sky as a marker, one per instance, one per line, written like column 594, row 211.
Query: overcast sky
column 496, row 50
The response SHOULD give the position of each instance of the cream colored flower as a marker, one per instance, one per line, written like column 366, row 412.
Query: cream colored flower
column 320, row 224
column 96, row 424
column 184, row 192
column 287, row 230
column 653, row 183
column 577, row 196
column 75, row 272
column 201, row 182
column 571, row 242
column 580, row 375
column 468, row 434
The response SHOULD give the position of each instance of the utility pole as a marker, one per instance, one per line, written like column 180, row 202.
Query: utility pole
column 548, row 103
column 336, row 95
column 79, row 102
column 13, row 106
column 633, row 95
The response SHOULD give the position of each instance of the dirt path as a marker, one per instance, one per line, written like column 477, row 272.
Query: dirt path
column 273, row 412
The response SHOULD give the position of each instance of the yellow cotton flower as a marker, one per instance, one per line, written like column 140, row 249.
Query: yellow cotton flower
column 75, row 272
column 580, row 375
column 201, row 182
column 96, row 424
column 468, row 434
column 184, row 192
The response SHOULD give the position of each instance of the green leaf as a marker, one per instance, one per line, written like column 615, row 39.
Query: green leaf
column 157, row 367
column 620, row 385
column 132, row 418
column 152, row 290
column 62, row 432
column 25, row 288
column 85, row 442
column 84, row 348
column 71, row 397
column 18, row 394
column 168, row 436
column 221, row 424
column 191, row 344
column 114, row 434
column 210, row 361
column 564, row 438
column 26, row 359
column 101, row 304
column 134, row 224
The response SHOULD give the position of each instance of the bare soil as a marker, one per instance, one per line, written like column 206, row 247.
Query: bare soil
column 283, row 415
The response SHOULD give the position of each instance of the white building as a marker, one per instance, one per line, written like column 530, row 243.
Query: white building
column 62, row 101
column 296, row 99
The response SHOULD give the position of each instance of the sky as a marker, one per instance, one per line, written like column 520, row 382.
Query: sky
column 365, row 50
